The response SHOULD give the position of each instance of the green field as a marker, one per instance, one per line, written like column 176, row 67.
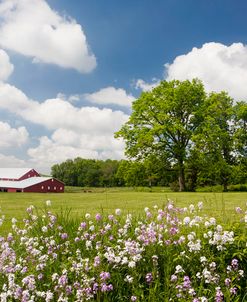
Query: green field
column 219, row 205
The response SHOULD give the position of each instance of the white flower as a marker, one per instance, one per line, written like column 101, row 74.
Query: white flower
column 88, row 244
column 91, row 228
column 192, row 208
column 186, row 220
column 212, row 221
column 191, row 236
column 241, row 273
column 129, row 279
column 132, row 264
column 194, row 246
column 203, row 259
column 146, row 209
column 219, row 228
column 14, row 220
column 48, row 203
column 118, row 212
column 170, row 206
column 87, row 216
column 200, row 205
column 179, row 269
column 44, row 229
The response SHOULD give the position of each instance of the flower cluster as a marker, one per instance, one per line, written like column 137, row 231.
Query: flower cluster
column 169, row 253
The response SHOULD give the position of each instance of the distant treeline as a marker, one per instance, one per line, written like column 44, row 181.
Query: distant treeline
column 153, row 172
column 99, row 173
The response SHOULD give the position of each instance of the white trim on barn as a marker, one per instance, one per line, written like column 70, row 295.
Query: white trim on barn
column 22, row 184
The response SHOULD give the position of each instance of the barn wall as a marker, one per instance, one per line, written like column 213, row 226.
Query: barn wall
column 48, row 186
column 11, row 190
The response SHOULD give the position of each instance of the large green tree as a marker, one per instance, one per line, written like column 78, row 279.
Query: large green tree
column 240, row 141
column 214, row 140
column 163, row 121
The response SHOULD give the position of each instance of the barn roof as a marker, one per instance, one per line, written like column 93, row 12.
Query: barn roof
column 23, row 183
column 13, row 173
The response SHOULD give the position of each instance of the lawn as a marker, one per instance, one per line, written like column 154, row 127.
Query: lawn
column 219, row 205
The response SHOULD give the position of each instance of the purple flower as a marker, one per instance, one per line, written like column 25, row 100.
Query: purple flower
column 98, row 217
column 95, row 287
column 187, row 283
column 233, row 290
column 173, row 231
column 174, row 278
column 133, row 298
column 64, row 236
column 106, row 288
column 227, row 282
column 96, row 261
column 219, row 297
column 104, row 276
column 68, row 290
column 110, row 217
column 234, row 263
column 149, row 278
column 83, row 225
column 63, row 280
column 238, row 210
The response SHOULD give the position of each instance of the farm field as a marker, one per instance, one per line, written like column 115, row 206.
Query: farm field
column 220, row 205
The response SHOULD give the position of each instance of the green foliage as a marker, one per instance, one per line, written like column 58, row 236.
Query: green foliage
column 214, row 140
column 202, row 138
column 163, row 121
column 87, row 172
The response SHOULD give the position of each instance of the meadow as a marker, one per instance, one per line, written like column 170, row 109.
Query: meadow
column 220, row 205
column 122, row 245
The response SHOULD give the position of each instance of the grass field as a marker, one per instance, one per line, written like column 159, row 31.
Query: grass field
column 163, row 253
column 219, row 205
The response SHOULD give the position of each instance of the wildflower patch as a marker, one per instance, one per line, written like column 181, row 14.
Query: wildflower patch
column 166, row 254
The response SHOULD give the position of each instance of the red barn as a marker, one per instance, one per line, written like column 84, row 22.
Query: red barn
column 28, row 180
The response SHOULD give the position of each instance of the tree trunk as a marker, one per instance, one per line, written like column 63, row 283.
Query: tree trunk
column 181, row 178
column 225, row 184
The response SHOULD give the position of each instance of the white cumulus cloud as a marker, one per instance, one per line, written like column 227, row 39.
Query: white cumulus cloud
column 59, row 113
column 76, row 131
column 12, row 137
column 220, row 67
column 144, row 86
column 56, row 149
column 10, row 161
column 6, row 68
column 110, row 95
column 32, row 28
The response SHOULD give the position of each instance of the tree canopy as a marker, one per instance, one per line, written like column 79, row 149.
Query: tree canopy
column 163, row 122
column 188, row 128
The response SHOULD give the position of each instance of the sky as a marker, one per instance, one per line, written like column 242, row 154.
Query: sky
column 70, row 70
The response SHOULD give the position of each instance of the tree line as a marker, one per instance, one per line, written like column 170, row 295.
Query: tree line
column 178, row 135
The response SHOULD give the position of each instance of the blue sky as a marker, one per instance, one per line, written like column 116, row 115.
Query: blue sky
column 71, row 69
